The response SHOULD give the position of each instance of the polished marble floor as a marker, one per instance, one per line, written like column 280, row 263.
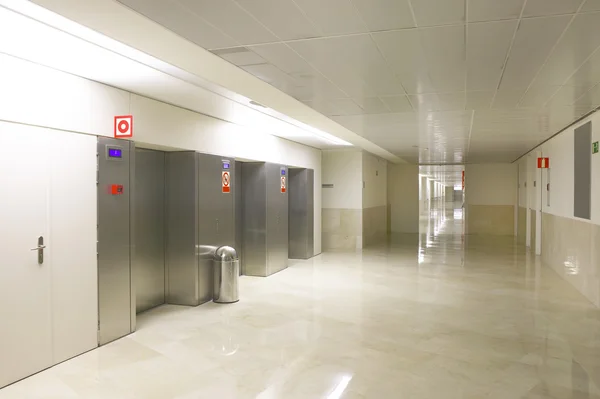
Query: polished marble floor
column 428, row 316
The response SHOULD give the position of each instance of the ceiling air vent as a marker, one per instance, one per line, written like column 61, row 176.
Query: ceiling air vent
column 252, row 102
column 233, row 50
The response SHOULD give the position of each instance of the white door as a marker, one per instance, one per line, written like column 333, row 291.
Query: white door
column 25, row 300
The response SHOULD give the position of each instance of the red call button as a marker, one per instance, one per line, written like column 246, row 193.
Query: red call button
column 116, row 189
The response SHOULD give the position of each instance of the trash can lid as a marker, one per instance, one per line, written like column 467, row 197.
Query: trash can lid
column 225, row 254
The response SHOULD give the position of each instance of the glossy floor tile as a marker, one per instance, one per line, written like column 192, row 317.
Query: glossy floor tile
column 430, row 316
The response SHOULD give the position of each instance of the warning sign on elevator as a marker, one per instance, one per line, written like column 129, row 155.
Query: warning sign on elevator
column 226, row 181
column 283, row 184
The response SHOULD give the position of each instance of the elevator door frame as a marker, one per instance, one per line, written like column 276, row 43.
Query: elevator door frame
column 116, row 286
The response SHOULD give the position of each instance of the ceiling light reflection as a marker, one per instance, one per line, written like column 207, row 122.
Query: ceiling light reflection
column 340, row 388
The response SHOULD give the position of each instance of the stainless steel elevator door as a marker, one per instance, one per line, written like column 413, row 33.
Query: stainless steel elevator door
column 182, row 228
column 301, row 213
column 149, row 266
column 114, row 238
column 215, row 216
column 239, row 215
column 277, row 219
column 254, row 214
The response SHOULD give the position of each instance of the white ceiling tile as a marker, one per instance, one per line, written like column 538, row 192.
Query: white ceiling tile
column 494, row 10
column 383, row 81
column 525, row 59
column 439, row 102
column 591, row 5
column 397, row 103
column 315, row 88
column 333, row 17
column 231, row 19
column 588, row 73
column 270, row 74
column 445, row 54
column 487, row 47
column 568, row 95
column 507, row 98
column 537, row 96
column 479, row 100
column 178, row 19
column 435, row 12
column 318, row 86
column 283, row 57
column 335, row 107
column 282, row 17
column 591, row 99
column 581, row 39
column 426, row 60
column 535, row 8
column 346, row 106
column 495, row 156
column 372, row 105
column 346, row 61
column 385, row 14
column 239, row 56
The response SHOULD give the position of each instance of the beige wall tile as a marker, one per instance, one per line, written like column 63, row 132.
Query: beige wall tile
column 491, row 219
column 342, row 228
column 522, row 225
column 374, row 225
column 533, row 213
column 572, row 248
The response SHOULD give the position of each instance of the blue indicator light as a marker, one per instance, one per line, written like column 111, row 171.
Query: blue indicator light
column 282, row 172
column 115, row 153
column 225, row 165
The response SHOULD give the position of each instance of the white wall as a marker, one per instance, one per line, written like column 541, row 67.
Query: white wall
column 40, row 96
column 491, row 184
column 374, row 175
column 343, row 169
column 403, row 197
column 560, row 152
column 522, row 166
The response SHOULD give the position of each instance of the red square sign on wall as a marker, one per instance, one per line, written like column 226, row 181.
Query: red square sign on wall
column 123, row 126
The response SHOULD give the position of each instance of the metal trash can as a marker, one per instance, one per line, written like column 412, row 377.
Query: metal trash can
column 226, row 275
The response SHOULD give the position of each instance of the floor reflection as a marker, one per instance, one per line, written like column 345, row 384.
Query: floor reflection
column 430, row 315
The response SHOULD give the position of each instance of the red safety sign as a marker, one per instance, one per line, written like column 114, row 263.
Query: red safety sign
column 225, row 182
column 283, row 184
column 123, row 126
column 116, row 189
column 543, row 163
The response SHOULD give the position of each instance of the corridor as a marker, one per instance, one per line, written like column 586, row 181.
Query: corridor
column 453, row 318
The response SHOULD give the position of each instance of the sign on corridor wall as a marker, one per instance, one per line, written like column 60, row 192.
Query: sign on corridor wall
column 123, row 126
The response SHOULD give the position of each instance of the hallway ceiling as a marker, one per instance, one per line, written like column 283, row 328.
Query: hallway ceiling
column 435, row 81
column 449, row 175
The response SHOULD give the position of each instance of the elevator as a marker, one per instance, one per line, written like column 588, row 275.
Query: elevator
column 161, row 214
column 301, row 213
column 200, row 217
column 265, row 218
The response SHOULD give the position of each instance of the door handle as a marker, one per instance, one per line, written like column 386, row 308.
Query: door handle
column 40, row 249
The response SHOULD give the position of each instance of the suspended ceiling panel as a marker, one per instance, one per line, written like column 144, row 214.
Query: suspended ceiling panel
column 429, row 80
